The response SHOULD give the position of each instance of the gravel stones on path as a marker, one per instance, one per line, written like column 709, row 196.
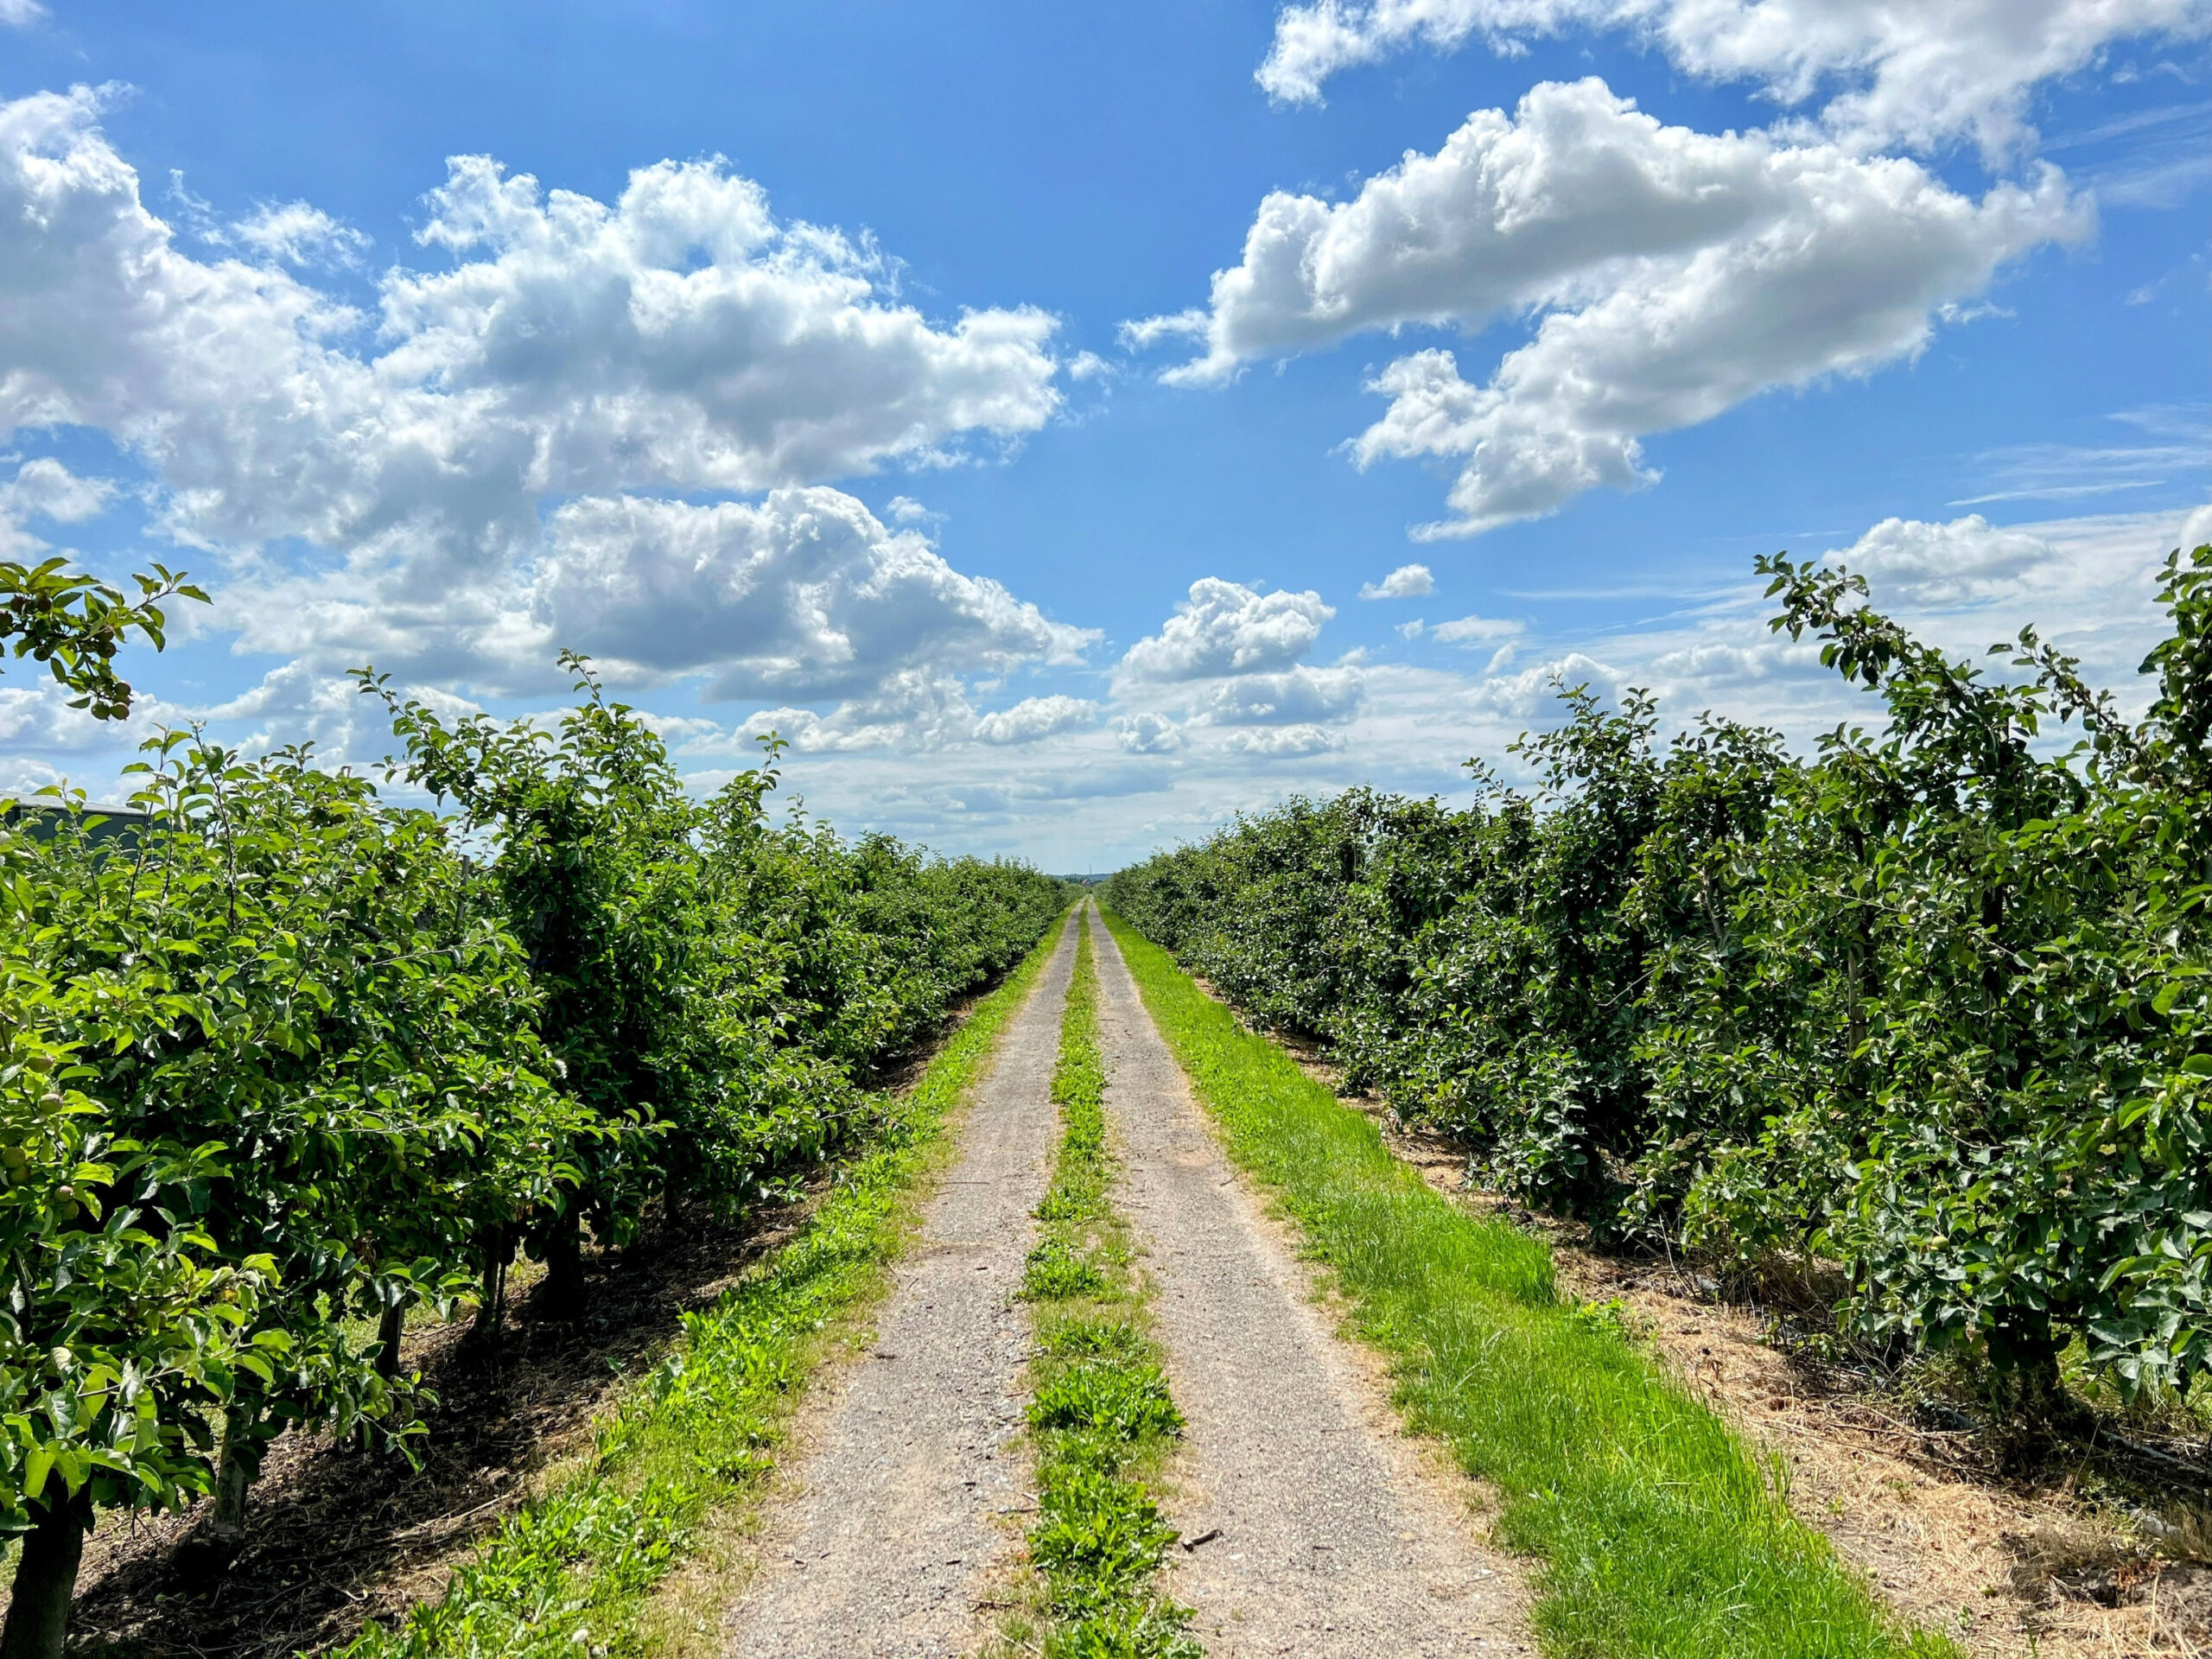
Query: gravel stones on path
column 884, row 1551
column 1329, row 1537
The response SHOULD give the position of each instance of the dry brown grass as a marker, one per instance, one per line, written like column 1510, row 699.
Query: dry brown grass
column 2032, row 1565
column 2022, row 1565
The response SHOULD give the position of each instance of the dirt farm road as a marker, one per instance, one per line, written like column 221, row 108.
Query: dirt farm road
column 1329, row 1535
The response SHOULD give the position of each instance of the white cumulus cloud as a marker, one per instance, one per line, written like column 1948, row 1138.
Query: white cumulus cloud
column 1224, row 627
column 806, row 592
column 1301, row 694
column 1407, row 582
column 48, row 488
column 1286, row 742
column 44, row 488
column 1035, row 718
column 1535, row 691
column 476, row 473
column 34, row 714
column 1675, row 273
column 1147, row 733
column 1231, row 656
column 298, row 233
column 1880, row 73
column 1968, row 559
column 913, row 709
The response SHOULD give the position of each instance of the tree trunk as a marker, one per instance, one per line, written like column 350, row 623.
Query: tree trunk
column 2023, row 1352
column 564, row 1294
column 390, row 1329
column 46, row 1576
column 492, row 1312
column 2029, row 1401
column 671, row 1207
column 233, row 1474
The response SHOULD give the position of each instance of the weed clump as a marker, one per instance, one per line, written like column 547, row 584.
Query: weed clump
column 1053, row 1272
column 1122, row 1400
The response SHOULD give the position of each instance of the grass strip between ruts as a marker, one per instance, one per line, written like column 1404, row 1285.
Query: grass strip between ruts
column 1659, row 1533
column 571, row 1573
column 1100, row 1417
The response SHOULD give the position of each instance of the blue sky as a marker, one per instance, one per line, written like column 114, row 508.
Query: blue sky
column 824, row 399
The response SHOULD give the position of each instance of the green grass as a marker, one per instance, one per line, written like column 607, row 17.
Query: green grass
column 1658, row 1533
column 1100, row 1416
column 570, row 1573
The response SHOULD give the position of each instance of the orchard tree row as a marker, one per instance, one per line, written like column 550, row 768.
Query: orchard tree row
column 1923, row 1012
column 281, row 1061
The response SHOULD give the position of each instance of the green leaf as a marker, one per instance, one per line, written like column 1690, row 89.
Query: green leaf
column 35, row 1468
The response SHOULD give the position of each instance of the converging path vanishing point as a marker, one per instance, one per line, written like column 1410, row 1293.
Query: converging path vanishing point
column 1327, row 1532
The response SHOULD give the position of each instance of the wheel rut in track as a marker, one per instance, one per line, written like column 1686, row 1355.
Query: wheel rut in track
column 1334, row 1536
column 882, row 1550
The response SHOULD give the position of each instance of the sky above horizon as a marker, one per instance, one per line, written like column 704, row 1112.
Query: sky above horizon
column 1071, row 426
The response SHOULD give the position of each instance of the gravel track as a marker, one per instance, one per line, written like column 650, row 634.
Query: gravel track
column 882, row 1551
column 1336, row 1538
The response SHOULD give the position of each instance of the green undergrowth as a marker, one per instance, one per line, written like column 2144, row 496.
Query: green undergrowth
column 571, row 1573
column 1658, row 1532
column 1100, row 1416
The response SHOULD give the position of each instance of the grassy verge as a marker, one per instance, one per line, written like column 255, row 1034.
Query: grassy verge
column 1658, row 1532
column 1101, row 1417
column 571, row 1573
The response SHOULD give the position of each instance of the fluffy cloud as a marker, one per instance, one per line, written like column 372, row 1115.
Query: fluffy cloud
column 803, row 595
column 679, row 338
column 298, row 234
column 34, row 714
column 1301, row 694
column 684, row 333
column 1231, row 656
column 913, row 709
column 806, row 594
column 1911, row 75
column 1678, row 273
column 1842, row 295
column 2087, row 584
column 1538, row 207
column 1968, row 559
column 1147, row 733
column 1534, row 692
column 1035, row 718
column 1407, row 582
column 1226, row 628
column 303, row 701
column 1083, row 800
column 44, row 488
column 1284, row 742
